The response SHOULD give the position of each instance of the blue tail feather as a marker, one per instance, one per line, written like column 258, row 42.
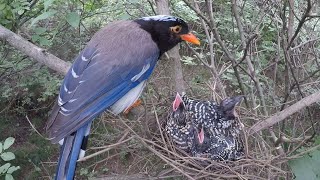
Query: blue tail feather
column 69, row 153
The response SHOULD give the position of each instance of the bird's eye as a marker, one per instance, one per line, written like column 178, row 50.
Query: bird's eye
column 176, row 29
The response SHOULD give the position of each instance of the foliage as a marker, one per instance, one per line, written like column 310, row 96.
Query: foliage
column 307, row 166
column 188, row 60
column 7, row 169
column 63, row 28
column 25, row 91
column 180, row 9
column 10, row 11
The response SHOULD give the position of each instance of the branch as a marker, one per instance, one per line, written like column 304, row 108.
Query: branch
column 107, row 148
column 283, row 139
column 198, row 56
column 246, row 50
column 212, row 66
column 33, row 51
column 301, row 22
column 302, row 44
column 199, row 13
column 307, row 101
column 213, row 27
column 174, row 56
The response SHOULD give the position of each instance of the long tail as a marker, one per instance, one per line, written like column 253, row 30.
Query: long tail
column 72, row 149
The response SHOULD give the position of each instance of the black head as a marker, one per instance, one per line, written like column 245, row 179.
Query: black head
column 228, row 106
column 201, row 139
column 167, row 31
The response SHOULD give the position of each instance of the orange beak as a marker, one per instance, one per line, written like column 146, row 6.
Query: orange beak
column 190, row 38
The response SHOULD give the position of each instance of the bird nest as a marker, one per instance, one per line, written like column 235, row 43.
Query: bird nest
column 154, row 155
column 258, row 163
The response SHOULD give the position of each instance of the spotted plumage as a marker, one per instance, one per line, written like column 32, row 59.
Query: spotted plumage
column 179, row 129
column 218, row 118
column 224, row 147
column 213, row 130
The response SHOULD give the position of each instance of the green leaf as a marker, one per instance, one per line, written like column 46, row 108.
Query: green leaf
column 4, row 168
column 7, row 156
column 9, row 177
column 0, row 147
column 37, row 169
column 125, row 16
column 21, row 11
column 73, row 19
column 44, row 41
column 306, row 167
column 13, row 169
column 35, row 37
column 40, row 30
column 2, row 6
column 47, row 3
column 8, row 142
column 316, row 140
column 42, row 16
column 134, row 1
column 188, row 60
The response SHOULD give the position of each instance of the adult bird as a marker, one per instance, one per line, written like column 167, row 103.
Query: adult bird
column 109, row 73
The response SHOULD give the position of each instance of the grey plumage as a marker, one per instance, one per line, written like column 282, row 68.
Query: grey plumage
column 109, row 73
column 104, row 47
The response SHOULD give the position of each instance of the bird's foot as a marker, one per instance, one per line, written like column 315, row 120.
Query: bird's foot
column 135, row 104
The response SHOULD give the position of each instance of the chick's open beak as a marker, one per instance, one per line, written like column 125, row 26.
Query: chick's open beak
column 201, row 136
column 190, row 38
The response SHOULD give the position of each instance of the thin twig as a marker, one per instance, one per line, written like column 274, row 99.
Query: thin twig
column 107, row 148
column 35, row 128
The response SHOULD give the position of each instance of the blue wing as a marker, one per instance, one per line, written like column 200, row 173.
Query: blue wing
column 91, row 86
column 109, row 73
column 108, row 68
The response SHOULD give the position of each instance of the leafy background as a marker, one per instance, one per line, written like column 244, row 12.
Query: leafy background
column 28, row 89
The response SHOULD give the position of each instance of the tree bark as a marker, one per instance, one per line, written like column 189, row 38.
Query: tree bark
column 35, row 52
column 174, row 56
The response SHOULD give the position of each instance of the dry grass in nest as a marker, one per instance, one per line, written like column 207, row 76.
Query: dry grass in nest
column 153, row 155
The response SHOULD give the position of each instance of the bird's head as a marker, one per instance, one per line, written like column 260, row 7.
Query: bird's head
column 167, row 31
column 178, row 111
column 228, row 106
column 201, row 139
column 200, row 135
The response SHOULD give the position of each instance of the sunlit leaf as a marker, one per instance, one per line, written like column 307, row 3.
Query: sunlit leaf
column 42, row 16
column 4, row 168
column 47, row 3
column 73, row 19
column 8, row 142
column 21, row 11
column 13, row 169
column 9, row 177
column 7, row 156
